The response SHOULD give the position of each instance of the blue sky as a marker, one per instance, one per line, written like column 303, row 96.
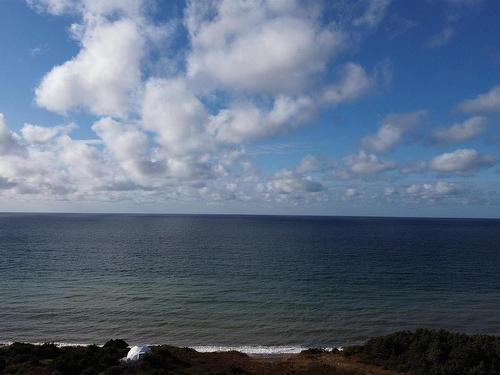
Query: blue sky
column 368, row 107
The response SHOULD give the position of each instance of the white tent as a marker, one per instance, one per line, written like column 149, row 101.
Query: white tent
column 137, row 352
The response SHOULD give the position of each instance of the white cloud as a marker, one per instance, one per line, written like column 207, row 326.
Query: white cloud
column 363, row 164
column 441, row 38
column 129, row 147
column 103, row 77
column 266, row 47
column 309, row 163
column 246, row 121
column 174, row 113
column 389, row 191
column 250, row 71
column 414, row 167
column 488, row 102
column 460, row 132
column 374, row 13
column 392, row 130
column 5, row 184
column 461, row 162
column 90, row 8
column 35, row 134
column 261, row 46
column 9, row 141
column 291, row 187
column 56, row 7
column 54, row 165
column 455, row 11
column 351, row 193
column 38, row 50
column 433, row 191
column 262, row 64
column 353, row 82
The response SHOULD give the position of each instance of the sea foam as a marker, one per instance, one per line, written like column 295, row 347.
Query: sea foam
column 253, row 349
column 247, row 349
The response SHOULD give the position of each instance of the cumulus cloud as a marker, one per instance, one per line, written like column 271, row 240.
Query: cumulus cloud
column 105, row 77
column 392, row 130
column 353, row 82
column 55, row 165
column 5, row 184
column 262, row 46
column 309, row 163
column 250, row 71
column 488, row 102
column 433, row 191
column 460, row 132
column 389, row 191
column 129, row 147
column 147, row 167
column 351, row 193
column 362, row 164
column 291, row 186
column 175, row 114
column 9, row 141
column 246, row 121
column 102, row 77
column 35, row 134
column 414, row 167
column 461, row 162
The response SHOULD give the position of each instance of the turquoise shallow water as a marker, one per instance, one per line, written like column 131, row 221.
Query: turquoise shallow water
column 282, row 282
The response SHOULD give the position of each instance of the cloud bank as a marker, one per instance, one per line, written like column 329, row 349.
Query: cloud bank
column 247, row 73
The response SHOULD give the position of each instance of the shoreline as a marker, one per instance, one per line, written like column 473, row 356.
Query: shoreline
column 252, row 350
column 423, row 351
column 165, row 359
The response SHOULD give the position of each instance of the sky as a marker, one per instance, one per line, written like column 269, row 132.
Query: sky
column 348, row 107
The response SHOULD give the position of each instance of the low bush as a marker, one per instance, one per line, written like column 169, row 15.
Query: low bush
column 433, row 352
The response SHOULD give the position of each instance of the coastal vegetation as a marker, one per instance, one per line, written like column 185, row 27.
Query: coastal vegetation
column 433, row 352
column 430, row 352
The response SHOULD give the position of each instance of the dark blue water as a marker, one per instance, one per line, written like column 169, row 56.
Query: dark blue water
column 243, row 281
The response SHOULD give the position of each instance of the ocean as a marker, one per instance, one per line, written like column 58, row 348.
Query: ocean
column 253, row 283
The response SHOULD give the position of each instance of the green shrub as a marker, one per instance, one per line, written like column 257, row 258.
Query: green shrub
column 434, row 352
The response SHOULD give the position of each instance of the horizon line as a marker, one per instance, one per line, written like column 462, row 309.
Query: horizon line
column 244, row 214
